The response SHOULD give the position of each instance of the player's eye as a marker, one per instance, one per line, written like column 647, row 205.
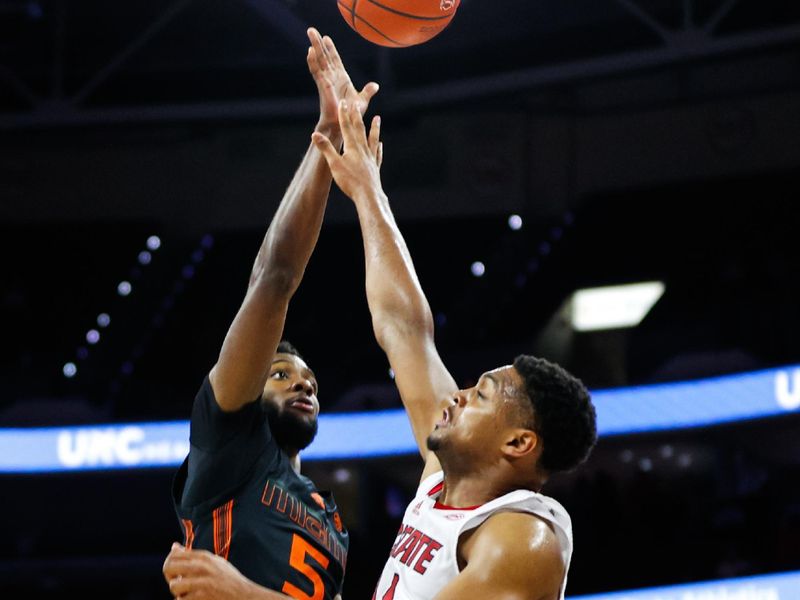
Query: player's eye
column 279, row 374
column 481, row 396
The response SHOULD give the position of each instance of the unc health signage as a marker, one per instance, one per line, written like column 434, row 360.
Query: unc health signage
column 782, row 586
column 619, row 411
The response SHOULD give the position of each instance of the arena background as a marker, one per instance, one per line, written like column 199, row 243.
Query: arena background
column 635, row 140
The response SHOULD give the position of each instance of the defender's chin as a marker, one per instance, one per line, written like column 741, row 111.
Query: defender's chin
column 434, row 441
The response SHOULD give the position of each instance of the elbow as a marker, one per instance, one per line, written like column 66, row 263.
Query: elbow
column 389, row 328
column 278, row 280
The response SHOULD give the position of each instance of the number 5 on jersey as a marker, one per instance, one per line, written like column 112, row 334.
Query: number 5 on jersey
column 301, row 549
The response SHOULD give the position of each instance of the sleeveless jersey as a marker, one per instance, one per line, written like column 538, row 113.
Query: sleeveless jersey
column 424, row 556
column 237, row 495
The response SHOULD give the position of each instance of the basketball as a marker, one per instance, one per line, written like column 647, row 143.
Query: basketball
column 398, row 23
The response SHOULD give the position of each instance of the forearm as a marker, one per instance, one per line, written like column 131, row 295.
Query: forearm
column 242, row 367
column 293, row 233
column 394, row 294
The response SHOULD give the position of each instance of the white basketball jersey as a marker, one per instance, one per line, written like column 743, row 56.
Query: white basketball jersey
column 423, row 559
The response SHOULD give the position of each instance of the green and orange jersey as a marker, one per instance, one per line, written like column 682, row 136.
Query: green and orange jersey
column 237, row 495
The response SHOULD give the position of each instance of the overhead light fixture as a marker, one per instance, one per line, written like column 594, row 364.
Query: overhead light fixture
column 613, row 307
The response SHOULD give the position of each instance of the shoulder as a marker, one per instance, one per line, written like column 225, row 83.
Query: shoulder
column 518, row 547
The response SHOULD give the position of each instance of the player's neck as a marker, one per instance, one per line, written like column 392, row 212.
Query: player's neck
column 294, row 458
column 464, row 489
column 469, row 490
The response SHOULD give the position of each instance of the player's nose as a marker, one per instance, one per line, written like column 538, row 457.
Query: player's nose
column 303, row 385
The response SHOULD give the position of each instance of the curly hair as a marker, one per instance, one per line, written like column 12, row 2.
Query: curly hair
column 286, row 348
column 563, row 413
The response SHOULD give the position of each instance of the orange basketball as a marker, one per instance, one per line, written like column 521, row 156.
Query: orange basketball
column 398, row 23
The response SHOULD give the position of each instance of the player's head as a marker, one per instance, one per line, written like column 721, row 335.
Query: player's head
column 532, row 413
column 290, row 398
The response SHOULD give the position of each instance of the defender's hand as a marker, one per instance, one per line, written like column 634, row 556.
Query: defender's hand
column 333, row 82
column 357, row 170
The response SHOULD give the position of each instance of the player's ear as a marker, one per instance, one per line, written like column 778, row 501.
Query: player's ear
column 520, row 443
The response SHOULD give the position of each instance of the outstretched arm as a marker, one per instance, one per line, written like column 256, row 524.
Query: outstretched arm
column 401, row 316
column 242, row 368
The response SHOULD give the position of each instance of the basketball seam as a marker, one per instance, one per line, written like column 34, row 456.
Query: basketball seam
column 379, row 32
column 410, row 16
column 353, row 13
column 371, row 26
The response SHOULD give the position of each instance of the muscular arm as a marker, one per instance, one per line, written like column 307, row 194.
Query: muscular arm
column 242, row 368
column 512, row 556
column 401, row 316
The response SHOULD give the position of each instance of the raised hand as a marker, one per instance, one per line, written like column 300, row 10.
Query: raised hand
column 357, row 170
column 333, row 82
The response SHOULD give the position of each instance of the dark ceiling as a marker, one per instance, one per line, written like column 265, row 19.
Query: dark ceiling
column 638, row 139
column 78, row 62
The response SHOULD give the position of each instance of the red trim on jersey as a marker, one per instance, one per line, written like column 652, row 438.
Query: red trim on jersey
column 438, row 488
column 189, row 533
column 223, row 529
column 441, row 506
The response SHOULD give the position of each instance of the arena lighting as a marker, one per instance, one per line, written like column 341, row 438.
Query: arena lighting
column 478, row 268
column 124, row 288
column 780, row 586
column 613, row 307
column 153, row 242
column 622, row 411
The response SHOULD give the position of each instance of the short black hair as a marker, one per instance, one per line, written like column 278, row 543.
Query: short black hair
column 563, row 413
column 286, row 348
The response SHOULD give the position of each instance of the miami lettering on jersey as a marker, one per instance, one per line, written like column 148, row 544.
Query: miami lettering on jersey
column 281, row 501
column 415, row 549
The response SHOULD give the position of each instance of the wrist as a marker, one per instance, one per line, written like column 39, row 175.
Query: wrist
column 332, row 132
column 371, row 195
column 329, row 129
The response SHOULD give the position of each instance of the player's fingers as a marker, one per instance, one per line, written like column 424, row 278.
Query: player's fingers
column 317, row 45
column 325, row 146
column 332, row 52
column 379, row 157
column 177, row 566
column 346, row 123
column 311, row 59
column 357, row 121
column 175, row 558
column 191, row 562
column 375, row 135
column 368, row 91
column 180, row 586
column 326, row 49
